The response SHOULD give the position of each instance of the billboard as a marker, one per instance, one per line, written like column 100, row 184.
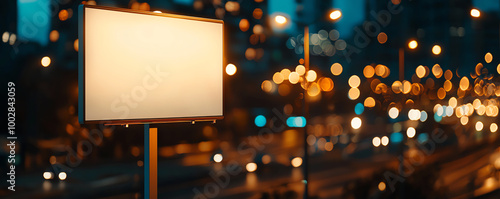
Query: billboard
column 146, row 67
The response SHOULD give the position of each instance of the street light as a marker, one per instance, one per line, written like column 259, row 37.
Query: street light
column 336, row 14
column 436, row 49
column 231, row 69
column 475, row 13
column 281, row 21
column 413, row 44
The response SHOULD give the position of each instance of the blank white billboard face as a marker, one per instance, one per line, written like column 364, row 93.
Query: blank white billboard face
column 138, row 67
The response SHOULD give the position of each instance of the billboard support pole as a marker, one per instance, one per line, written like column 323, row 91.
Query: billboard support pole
column 150, row 162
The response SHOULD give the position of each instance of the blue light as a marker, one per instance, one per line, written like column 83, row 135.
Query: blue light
column 296, row 121
column 260, row 121
column 444, row 112
column 423, row 138
column 396, row 137
column 423, row 116
column 437, row 118
column 290, row 121
column 359, row 108
column 300, row 121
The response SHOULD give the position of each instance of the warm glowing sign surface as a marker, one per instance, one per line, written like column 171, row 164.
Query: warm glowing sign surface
column 140, row 67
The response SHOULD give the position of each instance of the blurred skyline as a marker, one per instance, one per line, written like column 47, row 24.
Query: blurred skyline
column 394, row 84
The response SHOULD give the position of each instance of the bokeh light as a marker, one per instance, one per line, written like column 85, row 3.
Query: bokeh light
column 268, row 86
column 218, row 157
column 441, row 93
column 244, row 25
column 251, row 167
column 336, row 69
column 62, row 176
column 452, row 102
column 382, row 38
column 413, row 44
column 300, row 69
column 294, row 77
column 231, row 69
column 280, row 19
column 448, row 75
column 45, row 61
column 63, row 15
column 436, row 50
column 475, row 13
column 464, row 83
column 393, row 112
column 437, row 71
column 311, row 76
column 414, row 114
column 411, row 132
column 356, row 123
column 369, row 71
column 75, row 45
column 384, row 140
column 48, row 175
column 423, row 116
column 313, row 89
column 359, row 109
column 296, row 122
column 326, row 84
column 488, row 57
column 479, row 126
column 54, row 35
column 5, row 37
column 296, row 162
column 354, row 81
column 381, row 185
column 420, row 71
column 493, row 127
column 260, row 121
column 257, row 13
column 376, row 141
column 336, row 14
column 278, row 78
column 369, row 102
column 353, row 93
column 286, row 73
column 266, row 159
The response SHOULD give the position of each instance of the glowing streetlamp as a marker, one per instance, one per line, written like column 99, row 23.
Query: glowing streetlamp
column 475, row 13
column 231, row 69
column 436, row 50
column 336, row 14
column 45, row 61
column 413, row 44
column 280, row 19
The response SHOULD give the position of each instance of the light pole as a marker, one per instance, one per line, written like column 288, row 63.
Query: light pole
column 412, row 44
column 282, row 20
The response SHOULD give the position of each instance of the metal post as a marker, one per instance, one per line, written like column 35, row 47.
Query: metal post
column 401, row 145
column 305, row 164
column 150, row 162
column 401, row 64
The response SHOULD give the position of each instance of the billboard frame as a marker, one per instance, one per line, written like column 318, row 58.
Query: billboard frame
column 81, row 70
